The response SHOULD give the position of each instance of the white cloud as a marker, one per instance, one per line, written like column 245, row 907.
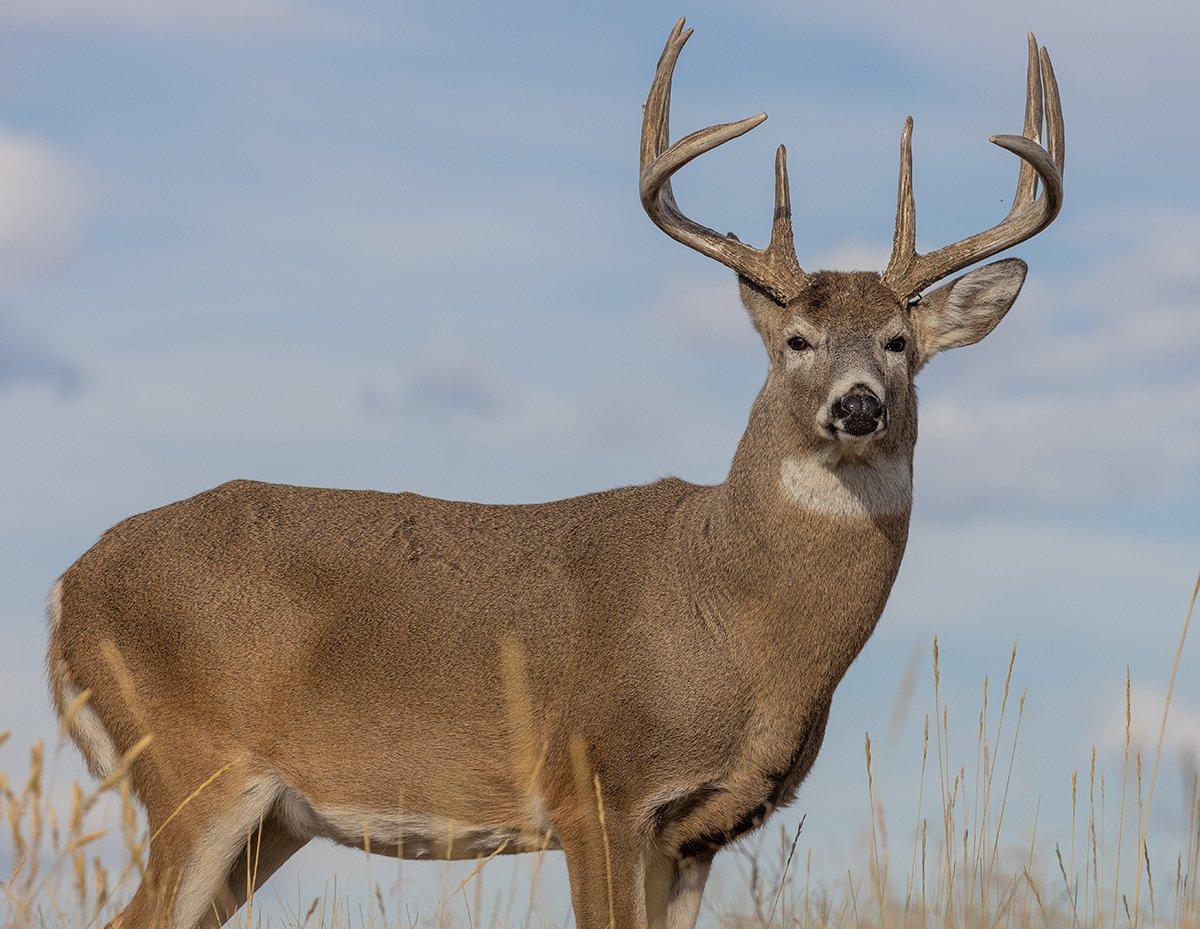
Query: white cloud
column 706, row 310
column 224, row 398
column 238, row 17
column 1180, row 739
column 527, row 224
column 1132, row 309
column 1093, row 46
column 997, row 571
column 149, row 429
column 447, row 382
column 450, row 393
column 41, row 202
column 853, row 255
column 41, row 205
column 449, row 390
column 1079, row 445
column 1088, row 390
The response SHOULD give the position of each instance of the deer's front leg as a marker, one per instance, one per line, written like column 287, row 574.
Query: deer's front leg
column 606, row 871
column 674, row 888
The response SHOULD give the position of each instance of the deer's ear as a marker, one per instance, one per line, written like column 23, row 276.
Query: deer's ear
column 968, row 308
column 765, row 312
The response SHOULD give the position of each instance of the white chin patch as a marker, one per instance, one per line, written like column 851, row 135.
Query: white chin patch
column 852, row 489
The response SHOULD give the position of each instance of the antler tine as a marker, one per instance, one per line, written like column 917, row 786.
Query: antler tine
column 775, row 268
column 1056, row 133
column 782, row 242
column 1027, row 179
column 904, row 240
column 657, row 111
column 908, row 272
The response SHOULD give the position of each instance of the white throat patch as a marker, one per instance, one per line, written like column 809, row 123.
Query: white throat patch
column 851, row 489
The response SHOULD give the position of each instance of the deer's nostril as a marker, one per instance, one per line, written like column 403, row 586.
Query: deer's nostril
column 860, row 403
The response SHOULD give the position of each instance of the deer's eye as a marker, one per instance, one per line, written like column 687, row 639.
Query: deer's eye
column 798, row 343
column 897, row 344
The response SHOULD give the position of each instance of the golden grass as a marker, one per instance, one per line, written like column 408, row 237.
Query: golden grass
column 957, row 865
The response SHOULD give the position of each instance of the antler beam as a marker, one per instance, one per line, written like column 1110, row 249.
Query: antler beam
column 908, row 273
column 775, row 269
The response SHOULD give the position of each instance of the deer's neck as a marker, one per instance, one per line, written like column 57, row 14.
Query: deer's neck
column 797, row 554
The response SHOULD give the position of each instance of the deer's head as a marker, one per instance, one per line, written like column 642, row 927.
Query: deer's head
column 844, row 347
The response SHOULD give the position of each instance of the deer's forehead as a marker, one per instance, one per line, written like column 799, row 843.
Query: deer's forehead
column 837, row 300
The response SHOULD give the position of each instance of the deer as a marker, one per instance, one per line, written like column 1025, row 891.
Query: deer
column 637, row 677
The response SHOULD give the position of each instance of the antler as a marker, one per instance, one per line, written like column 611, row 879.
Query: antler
column 775, row 268
column 908, row 273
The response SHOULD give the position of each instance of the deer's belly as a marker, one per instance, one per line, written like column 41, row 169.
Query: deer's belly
column 403, row 834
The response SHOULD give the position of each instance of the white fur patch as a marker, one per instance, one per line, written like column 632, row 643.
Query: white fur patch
column 85, row 727
column 849, row 490
column 406, row 834
column 655, row 802
column 538, row 817
column 202, row 879
column 54, row 606
column 89, row 733
column 683, row 907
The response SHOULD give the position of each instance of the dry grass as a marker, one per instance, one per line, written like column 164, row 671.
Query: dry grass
column 957, row 864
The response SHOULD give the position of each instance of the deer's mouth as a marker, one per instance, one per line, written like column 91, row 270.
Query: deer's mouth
column 856, row 428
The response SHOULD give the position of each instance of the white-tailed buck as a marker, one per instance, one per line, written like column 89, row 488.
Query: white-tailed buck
column 636, row 677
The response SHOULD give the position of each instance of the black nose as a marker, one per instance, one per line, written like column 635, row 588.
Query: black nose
column 860, row 402
column 859, row 411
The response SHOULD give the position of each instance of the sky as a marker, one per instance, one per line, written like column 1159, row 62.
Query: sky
column 399, row 246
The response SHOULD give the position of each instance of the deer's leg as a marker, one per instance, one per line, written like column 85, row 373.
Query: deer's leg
column 263, row 852
column 605, row 868
column 152, row 901
column 193, row 849
column 674, row 888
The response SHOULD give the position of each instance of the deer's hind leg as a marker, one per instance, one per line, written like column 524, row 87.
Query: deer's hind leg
column 263, row 851
column 196, row 841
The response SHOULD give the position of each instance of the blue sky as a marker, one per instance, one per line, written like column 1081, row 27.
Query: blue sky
column 400, row 246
